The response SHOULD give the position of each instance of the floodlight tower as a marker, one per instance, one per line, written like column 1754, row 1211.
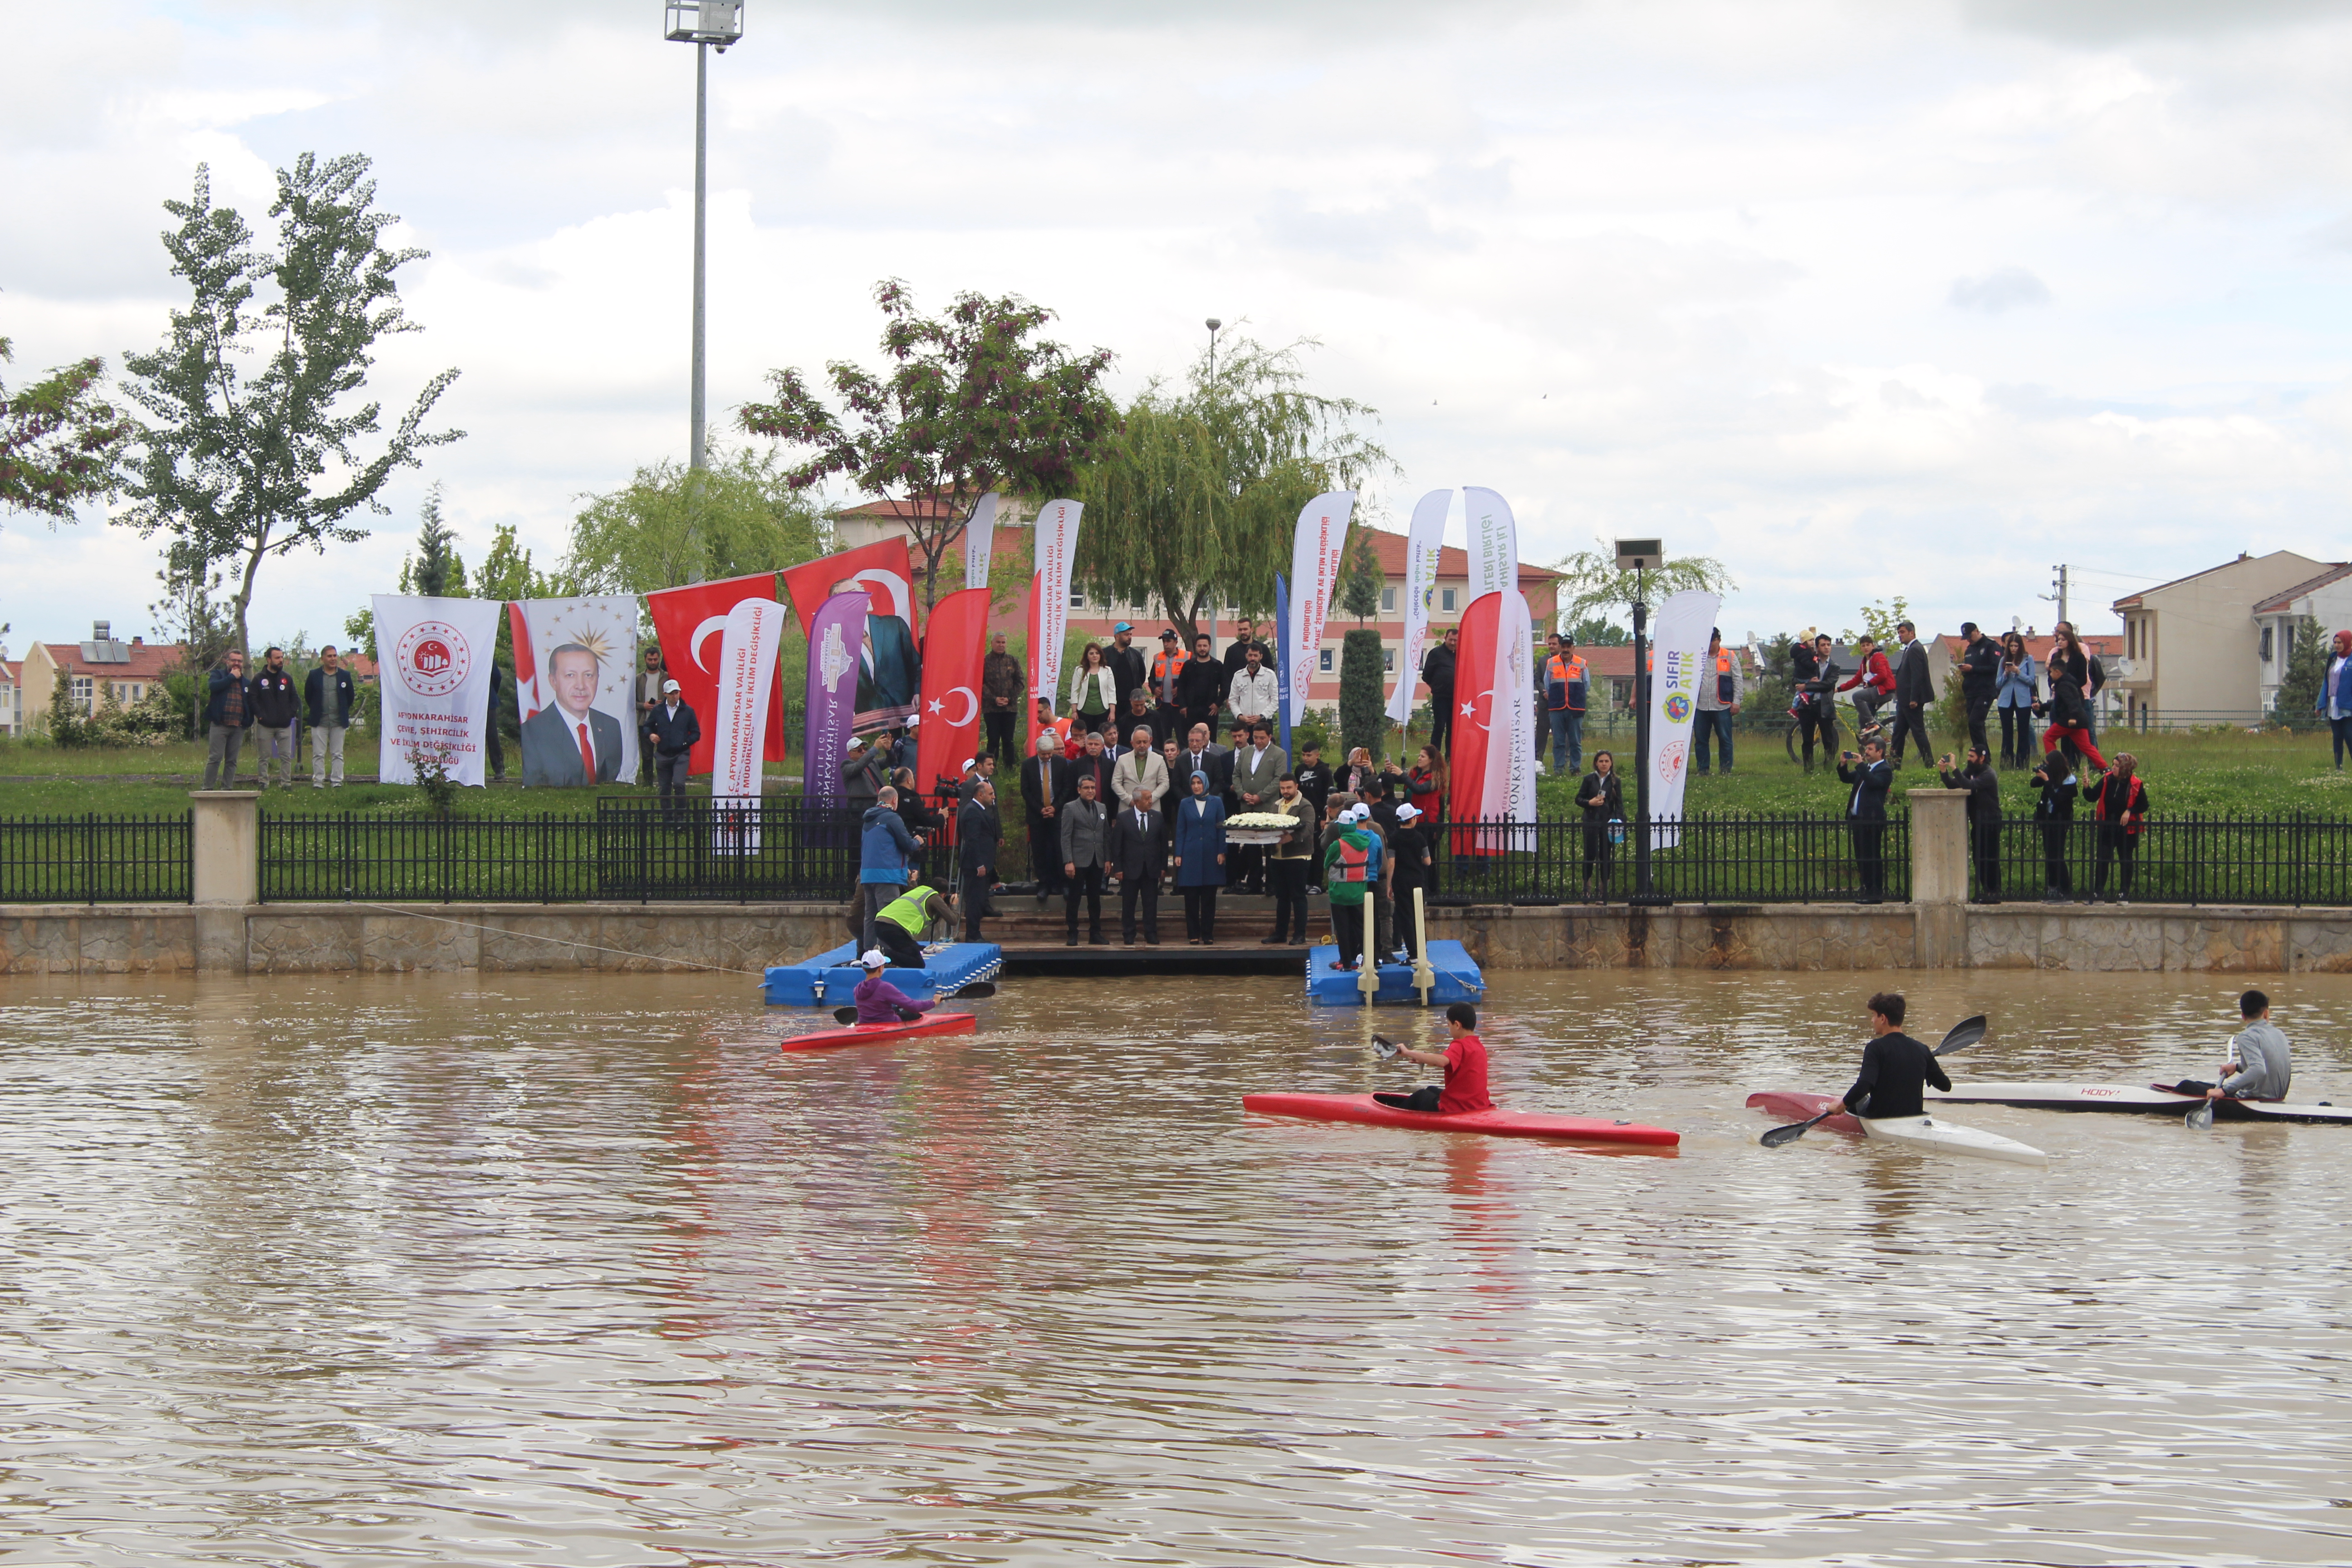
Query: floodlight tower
column 707, row 24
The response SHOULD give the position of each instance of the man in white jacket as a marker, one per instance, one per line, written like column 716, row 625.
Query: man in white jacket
column 1255, row 694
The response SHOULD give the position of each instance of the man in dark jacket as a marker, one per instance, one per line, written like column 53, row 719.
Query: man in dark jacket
column 1137, row 853
column 328, row 695
column 1915, row 692
column 1979, row 682
column 1128, row 672
column 1865, row 814
column 275, row 708
column 1041, row 800
column 229, row 710
column 1437, row 674
column 1201, row 686
column 1895, row 1068
column 1984, row 815
column 864, row 772
column 1094, row 764
column 978, row 829
column 671, row 731
column 1003, row 689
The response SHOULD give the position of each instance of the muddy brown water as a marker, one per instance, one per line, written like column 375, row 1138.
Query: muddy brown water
column 528, row 1270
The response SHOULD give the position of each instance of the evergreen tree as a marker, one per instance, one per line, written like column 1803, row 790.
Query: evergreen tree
column 1360, row 579
column 2297, row 702
column 1363, row 709
column 436, row 570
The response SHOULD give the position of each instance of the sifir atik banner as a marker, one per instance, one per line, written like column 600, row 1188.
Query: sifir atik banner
column 433, row 657
column 1677, row 656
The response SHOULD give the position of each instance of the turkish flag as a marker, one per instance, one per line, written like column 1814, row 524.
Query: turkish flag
column 688, row 623
column 1473, row 711
column 881, row 569
column 951, row 655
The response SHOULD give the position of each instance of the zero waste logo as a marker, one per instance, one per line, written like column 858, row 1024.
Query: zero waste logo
column 1678, row 707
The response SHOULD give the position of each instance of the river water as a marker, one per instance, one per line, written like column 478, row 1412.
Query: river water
column 531, row 1270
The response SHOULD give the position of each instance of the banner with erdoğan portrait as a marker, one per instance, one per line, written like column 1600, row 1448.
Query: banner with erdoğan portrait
column 574, row 660
column 1677, row 656
column 1054, row 548
column 834, row 632
column 979, row 541
column 951, row 654
column 1315, row 549
column 703, row 646
column 433, row 659
column 1423, row 540
column 889, row 674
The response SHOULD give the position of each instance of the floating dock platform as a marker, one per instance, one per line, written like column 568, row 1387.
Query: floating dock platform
column 828, row 979
column 1457, row 975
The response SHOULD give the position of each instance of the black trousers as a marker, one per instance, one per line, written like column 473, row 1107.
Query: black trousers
column 976, row 904
column 2057, row 874
column 1816, row 718
column 1596, row 854
column 1979, row 709
column 897, row 945
column 1984, row 838
column 1348, row 931
column 2117, row 848
column 1089, row 884
column 1910, row 721
column 1870, row 857
column 1200, row 913
column 1441, row 719
column 1422, row 1098
column 1144, row 890
column 497, row 751
column 1408, row 933
column 1002, row 746
column 671, row 773
column 1289, row 878
column 1046, row 853
column 2017, row 736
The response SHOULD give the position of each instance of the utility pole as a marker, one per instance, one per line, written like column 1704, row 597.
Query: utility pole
column 2062, row 595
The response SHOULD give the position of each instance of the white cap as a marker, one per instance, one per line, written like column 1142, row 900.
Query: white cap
column 969, row 764
column 671, row 686
column 1352, row 816
column 1407, row 812
column 873, row 959
column 856, row 744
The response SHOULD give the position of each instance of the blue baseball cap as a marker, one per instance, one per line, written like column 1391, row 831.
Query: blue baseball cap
column 1123, row 626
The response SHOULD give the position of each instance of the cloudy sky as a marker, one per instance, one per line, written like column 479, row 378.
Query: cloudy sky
column 1916, row 297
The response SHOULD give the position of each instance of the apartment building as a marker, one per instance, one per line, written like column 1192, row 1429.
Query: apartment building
column 2327, row 598
column 2193, row 646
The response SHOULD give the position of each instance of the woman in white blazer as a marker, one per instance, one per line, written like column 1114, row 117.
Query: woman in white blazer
column 1094, row 692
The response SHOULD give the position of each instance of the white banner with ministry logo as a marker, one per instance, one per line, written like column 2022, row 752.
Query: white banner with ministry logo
column 1054, row 546
column 1423, row 542
column 433, row 661
column 1677, row 656
column 1314, row 573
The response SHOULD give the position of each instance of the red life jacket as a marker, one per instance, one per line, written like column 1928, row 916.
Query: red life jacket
column 1352, row 861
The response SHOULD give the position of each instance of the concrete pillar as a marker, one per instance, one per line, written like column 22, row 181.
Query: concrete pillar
column 228, row 845
column 1939, row 877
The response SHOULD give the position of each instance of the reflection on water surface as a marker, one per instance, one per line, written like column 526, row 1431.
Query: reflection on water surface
column 586, row 1272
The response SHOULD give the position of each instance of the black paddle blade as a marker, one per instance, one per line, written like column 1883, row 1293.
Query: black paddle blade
column 844, row 1014
column 1796, row 1129
column 2199, row 1119
column 1385, row 1046
column 1964, row 1032
column 978, row 988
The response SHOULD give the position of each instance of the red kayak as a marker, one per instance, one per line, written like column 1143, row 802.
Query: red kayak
column 877, row 1033
column 1496, row 1123
column 1791, row 1105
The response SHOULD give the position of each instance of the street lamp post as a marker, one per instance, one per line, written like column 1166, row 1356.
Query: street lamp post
column 1213, row 324
column 707, row 24
column 1636, row 555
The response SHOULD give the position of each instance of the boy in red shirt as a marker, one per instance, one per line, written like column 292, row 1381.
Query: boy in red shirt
column 1465, row 1061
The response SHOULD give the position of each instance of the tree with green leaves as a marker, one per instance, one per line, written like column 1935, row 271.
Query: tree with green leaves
column 1363, row 699
column 1592, row 588
column 672, row 525
column 1195, row 497
column 436, row 570
column 245, row 466
column 58, row 439
column 1879, row 620
column 1599, row 631
column 972, row 401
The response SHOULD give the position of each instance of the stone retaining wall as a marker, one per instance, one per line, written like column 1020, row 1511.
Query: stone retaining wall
column 334, row 938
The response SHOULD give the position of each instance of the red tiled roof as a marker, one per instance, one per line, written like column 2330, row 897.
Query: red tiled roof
column 147, row 661
column 2280, row 602
column 929, row 509
column 1452, row 561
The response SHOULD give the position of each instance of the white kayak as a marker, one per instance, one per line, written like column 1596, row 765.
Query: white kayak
column 1943, row 1137
column 2143, row 1099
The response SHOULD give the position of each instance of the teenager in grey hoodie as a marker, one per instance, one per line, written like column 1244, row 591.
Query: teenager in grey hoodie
column 2259, row 1067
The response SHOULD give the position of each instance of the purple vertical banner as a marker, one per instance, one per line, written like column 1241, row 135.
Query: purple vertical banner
column 836, row 647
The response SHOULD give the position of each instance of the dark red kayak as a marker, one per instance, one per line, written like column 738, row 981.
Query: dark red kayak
column 1494, row 1123
column 879, row 1033
column 1790, row 1105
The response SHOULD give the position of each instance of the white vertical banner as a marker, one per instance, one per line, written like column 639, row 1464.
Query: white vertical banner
column 1423, row 542
column 749, row 641
column 1314, row 573
column 980, row 541
column 1515, row 660
column 1493, row 543
column 433, row 660
column 1679, row 657
column 1054, row 548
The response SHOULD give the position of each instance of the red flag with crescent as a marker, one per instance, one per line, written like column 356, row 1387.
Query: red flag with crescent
column 879, row 570
column 951, row 655
column 692, row 624
column 1473, row 711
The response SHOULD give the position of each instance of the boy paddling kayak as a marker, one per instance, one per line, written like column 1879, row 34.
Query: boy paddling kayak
column 878, row 1001
column 2260, row 1065
column 1895, row 1068
column 1465, row 1061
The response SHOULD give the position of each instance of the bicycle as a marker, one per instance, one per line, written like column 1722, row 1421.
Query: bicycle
column 1843, row 734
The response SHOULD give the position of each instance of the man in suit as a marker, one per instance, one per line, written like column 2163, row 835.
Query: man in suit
column 1915, row 692
column 1092, row 764
column 1202, row 755
column 1138, row 769
column 1865, row 814
column 1040, row 799
column 1086, row 833
column 1138, row 853
column 864, row 772
column 1980, row 682
column 571, row 743
column 978, row 829
column 671, row 731
column 1257, row 762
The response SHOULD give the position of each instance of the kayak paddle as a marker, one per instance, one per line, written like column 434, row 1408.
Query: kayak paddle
column 2200, row 1119
column 1383, row 1048
column 978, row 988
column 1964, row 1032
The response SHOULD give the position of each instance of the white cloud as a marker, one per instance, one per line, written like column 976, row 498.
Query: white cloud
column 2002, row 288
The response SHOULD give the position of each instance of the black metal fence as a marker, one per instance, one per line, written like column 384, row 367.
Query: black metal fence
column 1705, row 860
column 2188, row 860
column 96, row 859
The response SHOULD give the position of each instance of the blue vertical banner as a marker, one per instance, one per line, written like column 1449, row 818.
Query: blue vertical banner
column 1282, row 664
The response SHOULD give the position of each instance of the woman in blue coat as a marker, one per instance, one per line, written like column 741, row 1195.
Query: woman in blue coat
column 1200, row 842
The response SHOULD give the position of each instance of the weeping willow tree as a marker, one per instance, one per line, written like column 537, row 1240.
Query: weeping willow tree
column 1193, row 500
